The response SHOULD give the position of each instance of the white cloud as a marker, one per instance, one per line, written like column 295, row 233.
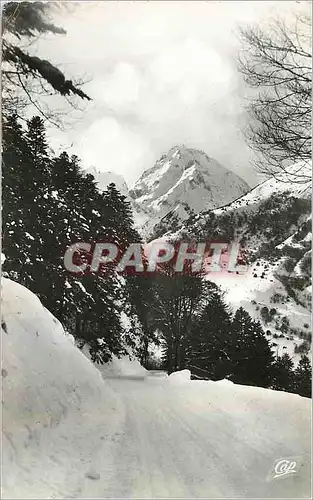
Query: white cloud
column 162, row 73
column 108, row 145
column 120, row 89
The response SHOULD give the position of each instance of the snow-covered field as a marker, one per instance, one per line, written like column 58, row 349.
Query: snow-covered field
column 70, row 433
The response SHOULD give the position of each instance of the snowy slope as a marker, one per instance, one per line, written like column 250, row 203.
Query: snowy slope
column 253, row 293
column 273, row 222
column 182, row 182
column 58, row 414
column 258, row 288
column 273, row 186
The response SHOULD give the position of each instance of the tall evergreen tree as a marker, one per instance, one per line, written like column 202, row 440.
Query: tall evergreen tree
column 140, row 290
column 252, row 356
column 50, row 204
column 26, row 195
column 37, row 198
column 14, row 151
column 119, row 212
column 209, row 342
column 303, row 377
column 283, row 374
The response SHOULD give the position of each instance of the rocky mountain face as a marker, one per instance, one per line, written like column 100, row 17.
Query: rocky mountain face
column 273, row 223
column 183, row 182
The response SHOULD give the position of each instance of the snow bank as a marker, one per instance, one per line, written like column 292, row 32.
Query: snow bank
column 58, row 413
column 184, row 377
column 180, row 377
column 123, row 367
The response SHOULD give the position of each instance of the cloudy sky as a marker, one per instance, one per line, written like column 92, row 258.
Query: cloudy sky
column 160, row 74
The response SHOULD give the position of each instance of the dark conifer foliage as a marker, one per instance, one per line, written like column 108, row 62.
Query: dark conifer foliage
column 28, row 19
column 49, row 203
column 303, row 377
column 25, row 76
column 298, row 380
column 251, row 353
column 209, row 352
column 283, row 374
column 141, row 293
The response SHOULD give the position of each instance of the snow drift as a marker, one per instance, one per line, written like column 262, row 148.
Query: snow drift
column 58, row 413
column 180, row 377
column 124, row 367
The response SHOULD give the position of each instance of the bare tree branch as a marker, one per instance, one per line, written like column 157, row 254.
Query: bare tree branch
column 278, row 63
column 26, row 78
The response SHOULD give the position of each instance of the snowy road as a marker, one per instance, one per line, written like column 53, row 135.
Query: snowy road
column 205, row 440
column 70, row 431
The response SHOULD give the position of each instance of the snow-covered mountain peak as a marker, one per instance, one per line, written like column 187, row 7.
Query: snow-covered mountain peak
column 185, row 169
column 185, row 181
